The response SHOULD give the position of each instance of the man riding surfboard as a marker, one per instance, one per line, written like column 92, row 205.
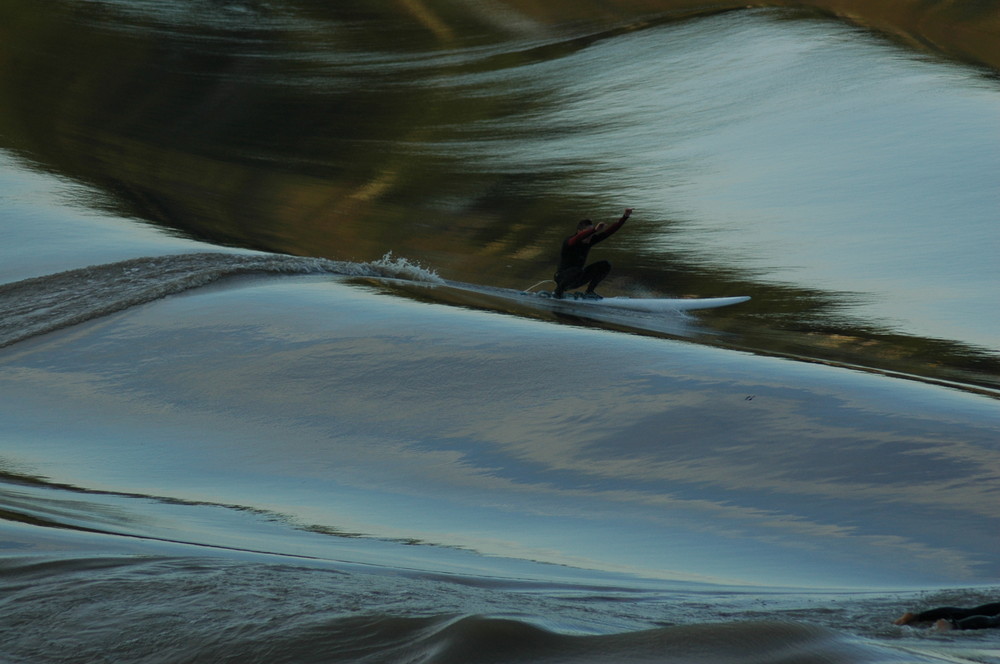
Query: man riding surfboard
column 573, row 271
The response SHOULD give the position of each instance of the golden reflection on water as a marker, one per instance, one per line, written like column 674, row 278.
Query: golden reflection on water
column 225, row 146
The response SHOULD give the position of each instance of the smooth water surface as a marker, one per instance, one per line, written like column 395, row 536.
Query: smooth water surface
column 264, row 398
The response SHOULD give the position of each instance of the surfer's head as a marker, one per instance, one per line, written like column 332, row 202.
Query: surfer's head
column 586, row 223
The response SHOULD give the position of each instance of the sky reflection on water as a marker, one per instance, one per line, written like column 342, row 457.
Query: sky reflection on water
column 580, row 446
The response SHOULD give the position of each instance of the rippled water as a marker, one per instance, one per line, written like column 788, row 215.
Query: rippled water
column 268, row 396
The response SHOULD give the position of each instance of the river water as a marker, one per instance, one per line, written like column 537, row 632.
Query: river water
column 270, row 394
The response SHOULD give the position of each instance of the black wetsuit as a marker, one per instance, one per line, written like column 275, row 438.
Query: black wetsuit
column 573, row 270
column 980, row 617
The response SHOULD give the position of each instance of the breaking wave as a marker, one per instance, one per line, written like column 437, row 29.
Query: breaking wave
column 39, row 305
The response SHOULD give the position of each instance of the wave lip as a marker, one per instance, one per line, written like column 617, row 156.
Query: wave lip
column 39, row 305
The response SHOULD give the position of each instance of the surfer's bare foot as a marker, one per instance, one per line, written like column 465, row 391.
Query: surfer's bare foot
column 906, row 619
column 943, row 626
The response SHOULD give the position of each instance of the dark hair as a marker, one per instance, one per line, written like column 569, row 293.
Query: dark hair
column 584, row 224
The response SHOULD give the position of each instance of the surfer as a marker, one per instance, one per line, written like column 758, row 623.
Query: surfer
column 573, row 271
column 948, row 617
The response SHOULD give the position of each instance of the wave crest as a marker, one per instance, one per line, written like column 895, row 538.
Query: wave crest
column 39, row 305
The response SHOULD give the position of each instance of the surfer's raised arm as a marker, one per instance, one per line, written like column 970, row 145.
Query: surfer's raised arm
column 583, row 235
column 604, row 231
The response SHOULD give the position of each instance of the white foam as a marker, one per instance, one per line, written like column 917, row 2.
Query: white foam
column 400, row 268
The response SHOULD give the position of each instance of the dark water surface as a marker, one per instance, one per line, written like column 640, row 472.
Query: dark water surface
column 262, row 400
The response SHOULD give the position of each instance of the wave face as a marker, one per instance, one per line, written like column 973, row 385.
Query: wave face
column 270, row 391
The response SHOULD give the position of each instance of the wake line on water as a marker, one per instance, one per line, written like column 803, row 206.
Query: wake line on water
column 40, row 305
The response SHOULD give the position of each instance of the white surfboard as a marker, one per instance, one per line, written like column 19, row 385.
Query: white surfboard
column 574, row 300
column 652, row 305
